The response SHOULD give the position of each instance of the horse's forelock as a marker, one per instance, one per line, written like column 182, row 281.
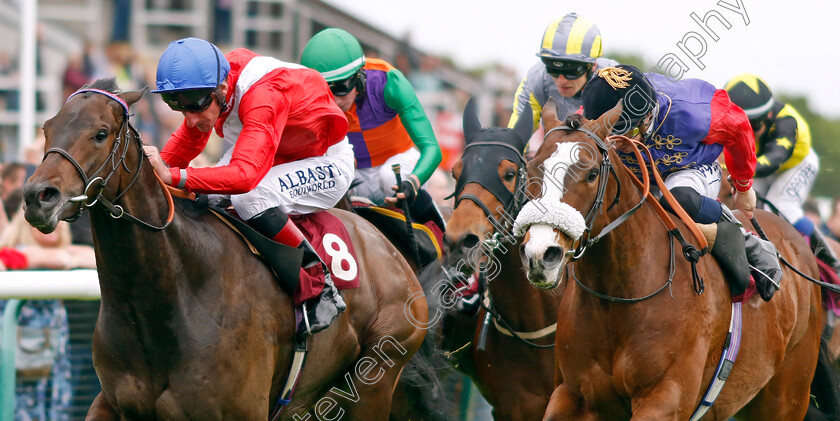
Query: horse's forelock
column 574, row 121
column 107, row 84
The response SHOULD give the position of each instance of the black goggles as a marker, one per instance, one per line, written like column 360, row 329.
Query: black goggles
column 343, row 87
column 570, row 70
column 192, row 101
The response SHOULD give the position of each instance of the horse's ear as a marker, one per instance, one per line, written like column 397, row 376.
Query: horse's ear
column 130, row 97
column 524, row 126
column 549, row 113
column 471, row 123
column 604, row 124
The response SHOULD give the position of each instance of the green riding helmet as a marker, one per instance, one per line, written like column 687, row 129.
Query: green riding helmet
column 334, row 53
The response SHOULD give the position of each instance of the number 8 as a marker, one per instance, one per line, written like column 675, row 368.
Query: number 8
column 337, row 249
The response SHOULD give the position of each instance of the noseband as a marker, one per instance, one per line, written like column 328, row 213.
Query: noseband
column 589, row 220
column 95, row 184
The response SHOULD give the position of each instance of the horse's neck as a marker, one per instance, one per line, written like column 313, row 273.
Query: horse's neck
column 613, row 264
column 129, row 256
column 511, row 292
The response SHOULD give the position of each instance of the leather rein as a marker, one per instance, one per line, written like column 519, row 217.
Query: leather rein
column 95, row 183
column 690, row 252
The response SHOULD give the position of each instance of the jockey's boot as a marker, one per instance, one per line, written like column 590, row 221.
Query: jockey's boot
column 320, row 311
column 761, row 255
column 823, row 251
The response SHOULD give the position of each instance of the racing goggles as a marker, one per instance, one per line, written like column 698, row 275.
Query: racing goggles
column 570, row 70
column 191, row 101
column 343, row 87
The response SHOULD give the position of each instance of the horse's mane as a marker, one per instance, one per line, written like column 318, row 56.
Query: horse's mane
column 193, row 208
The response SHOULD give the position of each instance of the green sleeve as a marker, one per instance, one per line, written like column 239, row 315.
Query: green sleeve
column 400, row 96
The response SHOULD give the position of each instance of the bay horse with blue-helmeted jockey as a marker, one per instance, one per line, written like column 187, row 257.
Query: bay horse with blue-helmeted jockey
column 634, row 338
column 509, row 355
column 193, row 324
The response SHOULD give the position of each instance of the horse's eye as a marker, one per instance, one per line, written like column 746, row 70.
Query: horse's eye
column 101, row 135
column 593, row 174
column 510, row 175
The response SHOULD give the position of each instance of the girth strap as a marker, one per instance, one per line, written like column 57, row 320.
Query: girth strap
column 724, row 367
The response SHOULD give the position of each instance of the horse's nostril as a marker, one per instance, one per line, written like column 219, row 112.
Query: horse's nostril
column 48, row 195
column 522, row 249
column 470, row 241
column 553, row 255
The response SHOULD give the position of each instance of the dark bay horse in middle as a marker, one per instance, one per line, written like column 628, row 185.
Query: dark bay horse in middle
column 510, row 357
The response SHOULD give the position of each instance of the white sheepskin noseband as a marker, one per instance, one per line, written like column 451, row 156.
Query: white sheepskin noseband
column 558, row 215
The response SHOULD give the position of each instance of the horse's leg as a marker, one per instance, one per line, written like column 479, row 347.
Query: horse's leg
column 100, row 410
column 667, row 401
column 374, row 380
column 563, row 405
column 787, row 394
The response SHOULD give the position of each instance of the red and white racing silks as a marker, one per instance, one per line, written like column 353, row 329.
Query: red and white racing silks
column 277, row 113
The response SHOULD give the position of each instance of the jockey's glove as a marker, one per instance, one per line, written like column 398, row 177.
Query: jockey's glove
column 409, row 189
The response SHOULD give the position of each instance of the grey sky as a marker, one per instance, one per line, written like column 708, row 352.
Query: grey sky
column 792, row 45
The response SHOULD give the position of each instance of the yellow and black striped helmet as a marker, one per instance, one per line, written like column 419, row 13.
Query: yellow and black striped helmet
column 571, row 38
column 750, row 93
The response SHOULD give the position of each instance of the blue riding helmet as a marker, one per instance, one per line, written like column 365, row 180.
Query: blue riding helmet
column 191, row 63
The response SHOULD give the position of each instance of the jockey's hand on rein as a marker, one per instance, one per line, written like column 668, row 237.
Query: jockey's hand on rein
column 745, row 202
column 157, row 163
column 406, row 190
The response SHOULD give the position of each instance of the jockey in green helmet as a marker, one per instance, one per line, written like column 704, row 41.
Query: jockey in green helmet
column 387, row 123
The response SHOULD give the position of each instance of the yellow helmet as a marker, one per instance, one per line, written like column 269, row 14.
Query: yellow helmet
column 571, row 38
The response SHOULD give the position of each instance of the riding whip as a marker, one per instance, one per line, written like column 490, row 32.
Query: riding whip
column 408, row 223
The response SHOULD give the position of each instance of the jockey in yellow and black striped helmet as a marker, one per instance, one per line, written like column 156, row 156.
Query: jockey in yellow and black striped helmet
column 569, row 53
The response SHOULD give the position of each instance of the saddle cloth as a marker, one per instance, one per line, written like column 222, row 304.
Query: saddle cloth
column 332, row 242
column 391, row 222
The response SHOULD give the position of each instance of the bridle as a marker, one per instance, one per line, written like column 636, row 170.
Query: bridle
column 606, row 166
column 95, row 183
column 690, row 252
column 512, row 202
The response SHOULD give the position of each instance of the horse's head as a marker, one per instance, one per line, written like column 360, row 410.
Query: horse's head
column 490, row 187
column 86, row 143
column 572, row 173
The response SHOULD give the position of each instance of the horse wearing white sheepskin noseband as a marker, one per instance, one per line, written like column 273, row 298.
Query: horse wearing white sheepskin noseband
column 558, row 215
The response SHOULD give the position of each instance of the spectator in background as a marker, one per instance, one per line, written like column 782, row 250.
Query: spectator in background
column 129, row 73
column 82, row 69
column 812, row 212
column 74, row 76
column 831, row 227
column 12, row 177
column 44, row 393
column 24, row 247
